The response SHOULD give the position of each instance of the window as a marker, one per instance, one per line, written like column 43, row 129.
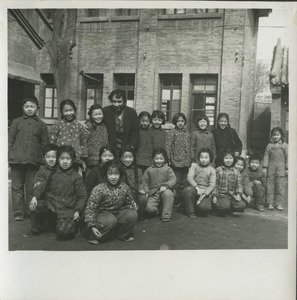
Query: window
column 170, row 94
column 176, row 11
column 204, row 96
column 50, row 97
column 126, row 82
column 94, row 83
column 127, row 12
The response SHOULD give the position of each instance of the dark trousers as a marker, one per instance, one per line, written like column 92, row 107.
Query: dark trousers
column 22, row 187
column 181, row 181
column 141, row 201
column 190, row 198
column 226, row 203
column 120, row 225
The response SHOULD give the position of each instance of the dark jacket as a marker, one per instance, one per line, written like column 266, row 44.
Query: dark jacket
column 26, row 137
column 130, row 127
column 94, row 178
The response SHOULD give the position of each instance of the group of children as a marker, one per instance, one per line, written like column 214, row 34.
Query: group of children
column 120, row 189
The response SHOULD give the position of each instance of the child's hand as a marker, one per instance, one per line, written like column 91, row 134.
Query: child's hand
column 197, row 190
column 237, row 197
column 236, row 153
column 163, row 189
column 83, row 166
column 257, row 181
column 33, row 204
column 248, row 199
column 141, row 192
column 96, row 232
column 76, row 216
column 87, row 129
column 214, row 199
column 265, row 171
column 200, row 199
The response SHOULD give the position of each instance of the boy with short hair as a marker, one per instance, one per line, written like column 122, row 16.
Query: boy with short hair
column 27, row 134
column 257, row 179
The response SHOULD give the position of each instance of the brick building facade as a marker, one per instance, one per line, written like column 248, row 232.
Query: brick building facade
column 193, row 60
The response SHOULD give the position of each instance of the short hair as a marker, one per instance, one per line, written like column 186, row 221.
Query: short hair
column 67, row 102
column 162, row 151
column 176, row 116
column 94, row 107
column 223, row 115
column 144, row 113
column 237, row 158
column 201, row 117
column 68, row 149
column 158, row 114
column 278, row 129
column 118, row 94
column 49, row 147
column 32, row 99
column 106, row 148
column 255, row 156
column 206, row 150
column 228, row 152
column 127, row 149
column 112, row 164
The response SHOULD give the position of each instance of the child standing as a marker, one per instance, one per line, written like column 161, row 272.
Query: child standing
column 97, row 134
column 66, row 195
column 275, row 164
column 158, row 136
column 202, row 138
column 38, row 206
column 178, row 151
column 133, row 178
column 202, row 179
column 145, row 150
column 68, row 131
column 257, row 179
column 111, row 209
column 95, row 176
column 158, row 182
column 27, row 135
column 228, row 189
column 226, row 138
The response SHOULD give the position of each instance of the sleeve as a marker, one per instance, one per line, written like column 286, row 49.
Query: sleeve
column 44, row 134
column 266, row 156
column 168, row 145
column 211, row 182
column 53, row 137
column 91, row 181
column 81, row 194
column 129, row 200
column 239, row 186
column 145, row 181
column 171, row 179
column 188, row 147
column 215, row 190
column 12, row 134
column 83, row 141
column 193, row 146
column 286, row 155
column 213, row 147
column 247, row 186
column 39, row 184
column 93, row 205
column 140, row 175
column 191, row 175
column 134, row 135
column 237, row 141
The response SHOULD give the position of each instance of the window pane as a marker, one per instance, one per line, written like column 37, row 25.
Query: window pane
column 90, row 93
column 212, row 10
column 176, row 81
column 55, row 103
column 170, row 11
column 201, row 10
column 210, row 100
column 180, row 11
column 211, row 120
column 198, row 88
column 130, row 103
column 48, row 92
column 210, row 88
column 130, row 81
column 175, row 107
column 166, row 81
column 165, row 94
column 48, row 103
column 176, row 95
column 47, row 113
column 55, row 93
column 90, row 102
column 199, row 81
column 130, row 95
column 121, row 81
column 211, row 80
column 55, row 113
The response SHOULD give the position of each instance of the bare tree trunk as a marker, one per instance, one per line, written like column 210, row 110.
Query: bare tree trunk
column 60, row 49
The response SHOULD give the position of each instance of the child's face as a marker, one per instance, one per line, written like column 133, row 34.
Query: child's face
column 68, row 112
column 50, row 158
column 159, row 160
column 223, row 123
column 144, row 122
column 65, row 161
column 239, row 165
column 30, row 109
column 97, row 115
column 202, row 124
column 127, row 159
column 276, row 136
column 228, row 160
column 157, row 122
column 254, row 164
column 113, row 176
column 106, row 156
column 180, row 123
column 204, row 158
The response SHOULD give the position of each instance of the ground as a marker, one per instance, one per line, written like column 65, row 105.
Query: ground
column 250, row 230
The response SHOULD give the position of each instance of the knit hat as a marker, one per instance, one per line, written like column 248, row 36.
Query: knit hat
column 32, row 99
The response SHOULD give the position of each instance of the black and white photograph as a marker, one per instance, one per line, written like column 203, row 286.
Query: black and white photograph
column 150, row 150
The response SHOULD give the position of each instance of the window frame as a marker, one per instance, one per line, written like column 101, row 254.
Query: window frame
column 127, row 88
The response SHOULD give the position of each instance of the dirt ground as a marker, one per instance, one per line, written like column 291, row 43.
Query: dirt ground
column 250, row 230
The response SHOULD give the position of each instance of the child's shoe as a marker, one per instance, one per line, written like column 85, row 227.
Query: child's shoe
column 19, row 218
column 279, row 207
column 142, row 220
column 270, row 207
column 130, row 239
column 93, row 242
column 260, row 207
column 164, row 220
column 192, row 216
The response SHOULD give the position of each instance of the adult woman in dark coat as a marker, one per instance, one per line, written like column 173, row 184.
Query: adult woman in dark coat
column 121, row 122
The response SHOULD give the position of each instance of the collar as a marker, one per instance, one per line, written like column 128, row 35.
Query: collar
column 227, row 168
column 203, row 131
column 34, row 117
column 68, row 171
column 180, row 130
